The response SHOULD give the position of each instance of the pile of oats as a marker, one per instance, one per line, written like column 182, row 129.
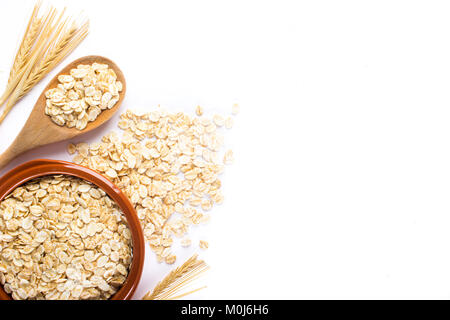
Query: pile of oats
column 62, row 238
column 81, row 96
column 166, row 163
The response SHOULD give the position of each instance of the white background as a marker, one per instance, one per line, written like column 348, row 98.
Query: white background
column 341, row 184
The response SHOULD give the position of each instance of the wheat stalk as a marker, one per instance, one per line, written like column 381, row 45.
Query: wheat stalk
column 56, row 40
column 38, row 51
column 177, row 279
column 29, row 38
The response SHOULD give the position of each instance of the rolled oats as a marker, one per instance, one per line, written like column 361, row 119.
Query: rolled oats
column 229, row 122
column 167, row 164
column 199, row 111
column 62, row 238
column 203, row 244
column 228, row 157
column 219, row 120
column 170, row 259
column 186, row 242
column 71, row 148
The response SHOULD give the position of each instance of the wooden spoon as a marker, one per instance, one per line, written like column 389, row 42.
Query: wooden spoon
column 40, row 130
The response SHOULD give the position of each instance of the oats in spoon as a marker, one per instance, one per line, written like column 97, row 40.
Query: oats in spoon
column 81, row 96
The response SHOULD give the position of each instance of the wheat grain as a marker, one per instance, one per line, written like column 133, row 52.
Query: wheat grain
column 177, row 279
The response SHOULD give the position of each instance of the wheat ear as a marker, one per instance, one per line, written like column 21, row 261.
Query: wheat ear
column 67, row 43
column 55, row 49
column 38, row 51
column 23, row 53
column 177, row 279
column 30, row 36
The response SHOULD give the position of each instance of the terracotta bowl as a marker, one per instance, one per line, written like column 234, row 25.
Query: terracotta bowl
column 39, row 168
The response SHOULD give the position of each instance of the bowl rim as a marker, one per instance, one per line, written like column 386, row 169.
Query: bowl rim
column 44, row 167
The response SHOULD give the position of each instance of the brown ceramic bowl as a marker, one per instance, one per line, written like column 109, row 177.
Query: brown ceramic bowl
column 39, row 168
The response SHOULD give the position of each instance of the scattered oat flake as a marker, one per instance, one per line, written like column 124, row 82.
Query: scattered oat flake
column 228, row 157
column 71, row 148
column 171, row 258
column 203, row 244
column 82, row 95
column 219, row 120
column 205, row 219
column 235, row 109
column 186, row 242
column 229, row 122
column 199, row 111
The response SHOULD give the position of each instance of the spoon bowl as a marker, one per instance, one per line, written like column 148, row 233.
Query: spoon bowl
column 40, row 130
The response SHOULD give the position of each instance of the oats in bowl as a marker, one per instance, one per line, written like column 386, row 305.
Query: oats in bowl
column 62, row 238
column 81, row 96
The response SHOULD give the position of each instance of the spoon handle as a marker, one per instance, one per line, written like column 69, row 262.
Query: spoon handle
column 7, row 156
column 25, row 140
